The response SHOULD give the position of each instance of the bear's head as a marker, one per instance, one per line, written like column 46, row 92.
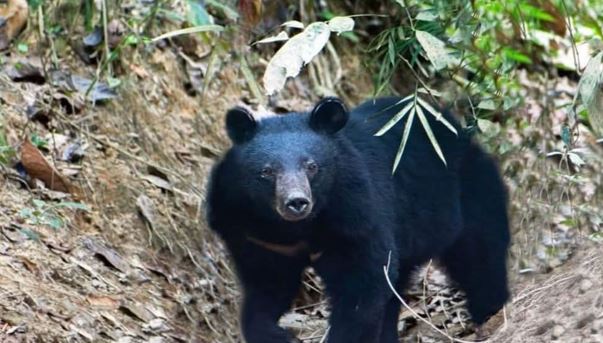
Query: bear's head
column 286, row 164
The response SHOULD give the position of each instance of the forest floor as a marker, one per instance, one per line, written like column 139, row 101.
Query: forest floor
column 115, row 249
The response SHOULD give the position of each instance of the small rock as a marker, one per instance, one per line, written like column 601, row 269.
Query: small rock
column 598, row 326
column 585, row 285
column 557, row 331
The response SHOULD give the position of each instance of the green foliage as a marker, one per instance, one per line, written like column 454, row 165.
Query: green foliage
column 39, row 142
column 44, row 213
column 478, row 44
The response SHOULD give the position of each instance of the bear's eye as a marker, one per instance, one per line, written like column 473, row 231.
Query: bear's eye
column 312, row 167
column 267, row 172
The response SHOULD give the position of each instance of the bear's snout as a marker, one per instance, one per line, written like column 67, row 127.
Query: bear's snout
column 294, row 197
column 297, row 205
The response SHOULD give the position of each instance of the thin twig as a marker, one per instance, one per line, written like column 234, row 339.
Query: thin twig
column 415, row 314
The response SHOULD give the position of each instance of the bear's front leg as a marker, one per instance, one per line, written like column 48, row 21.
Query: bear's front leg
column 260, row 314
column 358, row 293
column 270, row 283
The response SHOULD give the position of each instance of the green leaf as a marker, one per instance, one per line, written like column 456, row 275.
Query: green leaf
column 6, row 151
column 39, row 142
column 293, row 24
column 430, row 135
column 22, row 48
column 189, row 30
column 395, row 119
column 565, row 135
column 535, row 12
column 405, row 135
column 516, row 56
column 73, row 205
column 54, row 222
column 34, row 4
column 391, row 50
column 487, row 104
column 26, row 213
column 426, row 16
column 489, row 128
column 298, row 51
column 591, row 94
column 39, row 204
column 435, row 49
column 341, row 24
column 32, row 235
column 228, row 11
column 437, row 114
column 197, row 15
column 282, row 36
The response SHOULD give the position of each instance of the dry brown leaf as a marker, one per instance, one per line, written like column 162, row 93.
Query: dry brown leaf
column 108, row 255
column 37, row 167
column 31, row 266
column 136, row 311
column 13, row 17
column 103, row 302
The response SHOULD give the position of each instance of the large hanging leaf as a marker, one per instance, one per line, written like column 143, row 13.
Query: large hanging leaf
column 591, row 93
column 436, row 50
column 293, row 55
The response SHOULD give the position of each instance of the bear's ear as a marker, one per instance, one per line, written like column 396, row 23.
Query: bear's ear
column 328, row 116
column 240, row 125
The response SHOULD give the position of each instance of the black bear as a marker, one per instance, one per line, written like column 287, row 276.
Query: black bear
column 317, row 189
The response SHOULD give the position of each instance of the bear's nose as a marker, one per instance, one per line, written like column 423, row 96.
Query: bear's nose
column 297, row 205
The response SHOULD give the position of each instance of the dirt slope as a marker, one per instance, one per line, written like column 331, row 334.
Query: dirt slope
column 140, row 266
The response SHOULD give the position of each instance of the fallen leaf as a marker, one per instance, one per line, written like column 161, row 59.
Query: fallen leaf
column 94, row 38
column 159, row 182
column 136, row 311
column 145, row 206
column 13, row 17
column 108, row 255
column 95, row 91
column 37, row 167
column 26, row 70
column 103, row 302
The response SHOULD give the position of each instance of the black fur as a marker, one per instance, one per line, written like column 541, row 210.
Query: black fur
column 361, row 214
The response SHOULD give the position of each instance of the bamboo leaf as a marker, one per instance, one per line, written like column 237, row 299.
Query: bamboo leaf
column 278, row 38
column 404, row 139
column 194, row 29
column 293, row 24
column 430, row 135
column 396, row 118
column 437, row 114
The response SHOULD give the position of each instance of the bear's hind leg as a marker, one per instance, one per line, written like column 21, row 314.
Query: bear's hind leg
column 480, row 271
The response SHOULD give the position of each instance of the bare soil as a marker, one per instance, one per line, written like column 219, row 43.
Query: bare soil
column 140, row 265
